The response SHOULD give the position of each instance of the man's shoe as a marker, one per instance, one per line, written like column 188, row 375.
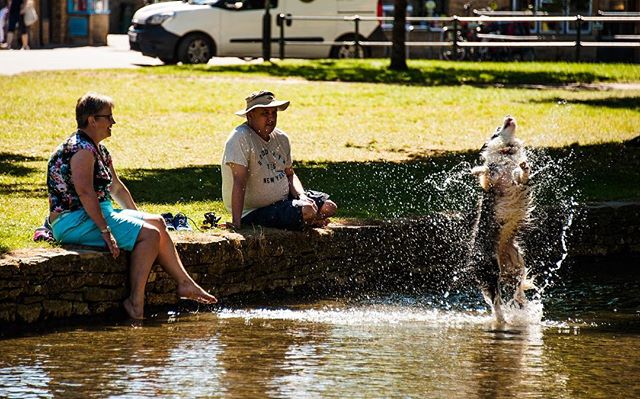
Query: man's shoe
column 211, row 220
column 181, row 223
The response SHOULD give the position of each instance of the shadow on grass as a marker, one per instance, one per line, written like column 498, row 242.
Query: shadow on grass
column 614, row 102
column 363, row 189
column 167, row 186
column 17, row 167
column 418, row 186
column 13, row 164
column 457, row 73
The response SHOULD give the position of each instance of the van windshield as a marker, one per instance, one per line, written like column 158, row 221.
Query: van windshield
column 216, row 3
column 236, row 4
column 209, row 2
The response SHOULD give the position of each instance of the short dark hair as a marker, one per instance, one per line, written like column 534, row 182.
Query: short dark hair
column 90, row 104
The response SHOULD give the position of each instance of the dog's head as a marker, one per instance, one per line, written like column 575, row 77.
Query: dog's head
column 503, row 136
column 508, row 129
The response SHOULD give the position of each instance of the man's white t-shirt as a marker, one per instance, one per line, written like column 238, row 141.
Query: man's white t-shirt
column 267, row 182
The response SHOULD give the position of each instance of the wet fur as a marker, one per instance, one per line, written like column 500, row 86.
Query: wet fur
column 503, row 209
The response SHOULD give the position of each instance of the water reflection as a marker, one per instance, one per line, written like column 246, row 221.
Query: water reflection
column 384, row 347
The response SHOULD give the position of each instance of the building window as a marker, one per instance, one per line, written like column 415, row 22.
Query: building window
column 88, row 6
column 555, row 8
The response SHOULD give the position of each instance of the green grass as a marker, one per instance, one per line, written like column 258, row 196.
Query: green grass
column 432, row 72
column 381, row 150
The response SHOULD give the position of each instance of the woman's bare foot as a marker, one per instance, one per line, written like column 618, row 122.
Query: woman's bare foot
column 191, row 290
column 134, row 312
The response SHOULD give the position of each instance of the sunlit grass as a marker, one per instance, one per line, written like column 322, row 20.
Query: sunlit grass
column 172, row 123
column 433, row 72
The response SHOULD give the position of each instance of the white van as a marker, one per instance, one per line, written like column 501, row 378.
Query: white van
column 194, row 31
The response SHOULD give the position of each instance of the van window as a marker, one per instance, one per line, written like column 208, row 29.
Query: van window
column 244, row 5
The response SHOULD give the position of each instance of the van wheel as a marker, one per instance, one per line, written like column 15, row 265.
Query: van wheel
column 195, row 49
column 349, row 51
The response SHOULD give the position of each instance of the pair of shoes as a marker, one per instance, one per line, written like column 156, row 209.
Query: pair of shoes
column 178, row 222
column 210, row 220
column 181, row 223
column 44, row 232
column 168, row 221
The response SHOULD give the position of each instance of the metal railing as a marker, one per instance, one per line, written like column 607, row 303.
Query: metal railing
column 456, row 21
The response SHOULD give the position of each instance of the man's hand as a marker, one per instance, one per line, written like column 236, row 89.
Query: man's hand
column 229, row 225
column 303, row 200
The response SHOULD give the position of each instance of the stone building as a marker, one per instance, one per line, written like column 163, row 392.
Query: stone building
column 87, row 22
column 558, row 31
column 80, row 22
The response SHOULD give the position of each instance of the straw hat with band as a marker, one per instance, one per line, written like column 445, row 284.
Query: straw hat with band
column 262, row 99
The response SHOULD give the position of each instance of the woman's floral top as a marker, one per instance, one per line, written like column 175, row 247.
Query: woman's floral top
column 62, row 193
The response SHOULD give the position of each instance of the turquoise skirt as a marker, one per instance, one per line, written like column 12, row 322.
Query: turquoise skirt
column 76, row 227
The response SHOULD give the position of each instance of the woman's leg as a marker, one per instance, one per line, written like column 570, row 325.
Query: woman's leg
column 9, row 41
column 25, row 41
column 143, row 256
column 169, row 259
column 24, row 33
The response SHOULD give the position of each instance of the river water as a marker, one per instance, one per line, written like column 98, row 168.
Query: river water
column 582, row 340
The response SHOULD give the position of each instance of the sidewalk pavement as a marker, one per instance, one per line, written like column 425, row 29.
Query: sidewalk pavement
column 115, row 55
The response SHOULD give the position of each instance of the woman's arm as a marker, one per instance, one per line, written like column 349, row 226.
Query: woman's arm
column 82, row 178
column 120, row 192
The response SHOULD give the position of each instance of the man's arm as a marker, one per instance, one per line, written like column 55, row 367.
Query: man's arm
column 297, row 191
column 240, row 174
column 295, row 185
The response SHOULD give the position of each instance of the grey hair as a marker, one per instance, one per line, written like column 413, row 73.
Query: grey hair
column 90, row 104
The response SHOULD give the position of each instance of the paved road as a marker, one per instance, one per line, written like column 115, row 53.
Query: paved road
column 115, row 55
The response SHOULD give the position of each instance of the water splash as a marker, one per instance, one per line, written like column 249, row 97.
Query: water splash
column 362, row 315
column 556, row 196
column 449, row 190
column 530, row 314
column 398, row 314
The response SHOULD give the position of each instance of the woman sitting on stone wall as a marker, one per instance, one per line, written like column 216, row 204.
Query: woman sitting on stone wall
column 82, row 181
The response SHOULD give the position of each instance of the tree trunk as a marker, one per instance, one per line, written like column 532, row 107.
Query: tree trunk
column 398, row 52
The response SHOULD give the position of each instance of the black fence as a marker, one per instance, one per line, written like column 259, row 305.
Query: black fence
column 453, row 41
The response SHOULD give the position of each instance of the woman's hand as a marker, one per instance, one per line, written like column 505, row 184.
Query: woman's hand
column 111, row 243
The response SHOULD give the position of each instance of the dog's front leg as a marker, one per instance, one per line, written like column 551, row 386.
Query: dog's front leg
column 521, row 174
column 481, row 172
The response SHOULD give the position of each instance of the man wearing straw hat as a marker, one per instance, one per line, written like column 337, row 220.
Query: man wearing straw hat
column 259, row 185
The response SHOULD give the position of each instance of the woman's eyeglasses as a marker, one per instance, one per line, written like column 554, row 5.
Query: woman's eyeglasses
column 108, row 116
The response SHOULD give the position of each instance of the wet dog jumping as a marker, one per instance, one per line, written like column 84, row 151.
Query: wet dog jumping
column 504, row 208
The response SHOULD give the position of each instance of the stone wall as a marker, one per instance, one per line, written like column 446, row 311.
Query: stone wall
column 53, row 284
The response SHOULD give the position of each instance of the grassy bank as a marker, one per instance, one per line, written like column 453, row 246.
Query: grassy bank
column 382, row 150
column 432, row 72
